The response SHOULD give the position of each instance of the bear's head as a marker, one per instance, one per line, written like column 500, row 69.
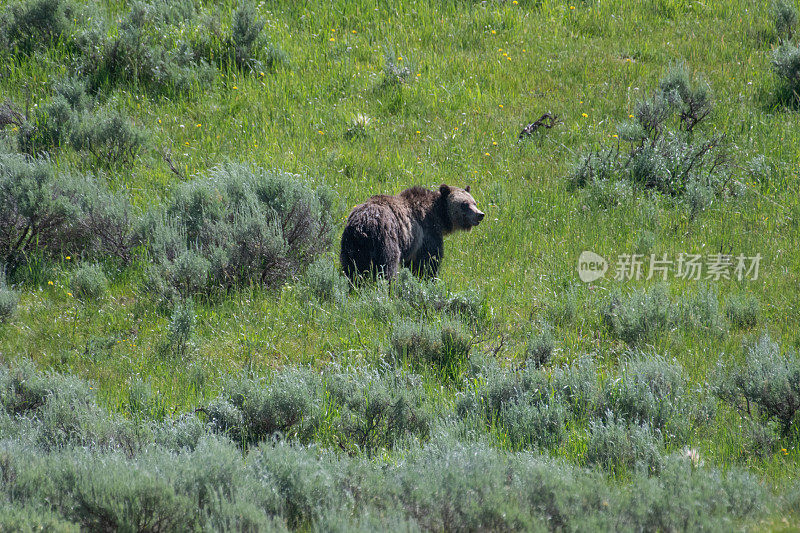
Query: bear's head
column 461, row 207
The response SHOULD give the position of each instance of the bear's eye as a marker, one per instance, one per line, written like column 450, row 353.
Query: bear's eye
column 465, row 207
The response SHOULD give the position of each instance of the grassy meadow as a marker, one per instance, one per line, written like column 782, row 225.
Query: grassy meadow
column 506, row 395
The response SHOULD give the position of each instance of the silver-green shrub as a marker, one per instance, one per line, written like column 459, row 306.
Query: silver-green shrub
column 766, row 386
column 743, row 310
column 618, row 446
column 326, row 281
column 444, row 345
column 55, row 214
column 9, row 298
column 88, row 282
column 238, row 226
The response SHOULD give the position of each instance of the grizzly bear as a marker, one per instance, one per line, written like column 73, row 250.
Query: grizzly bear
column 387, row 232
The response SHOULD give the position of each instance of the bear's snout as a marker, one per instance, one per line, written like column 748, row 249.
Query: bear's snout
column 481, row 215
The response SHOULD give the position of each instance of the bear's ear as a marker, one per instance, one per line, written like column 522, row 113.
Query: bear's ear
column 444, row 189
column 466, row 188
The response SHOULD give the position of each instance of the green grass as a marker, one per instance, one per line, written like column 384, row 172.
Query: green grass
column 479, row 73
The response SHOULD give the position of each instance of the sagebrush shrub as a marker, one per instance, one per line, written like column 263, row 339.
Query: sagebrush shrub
column 240, row 225
column 30, row 518
column 597, row 166
column 651, row 390
column 376, row 410
column 326, row 281
column 619, row 446
column 424, row 296
column 578, row 385
column 88, row 282
column 9, row 298
column 251, row 410
column 61, row 411
column 767, row 385
column 59, row 213
column 144, row 51
column 666, row 151
column 181, row 327
column 110, row 137
column 743, row 310
column 608, row 193
column 784, row 16
column 244, row 45
column 445, row 345
column 700, row 310
column 563, row 307
column 72, row 118
column 27, row 25
column 540, row 344
column 692, row 100
column 96, row 471
column 534, row 425
column 786, row 66
column 639, row 315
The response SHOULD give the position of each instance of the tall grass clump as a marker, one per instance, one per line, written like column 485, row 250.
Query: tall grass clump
column 238, row 226
column 540, row 345
column 765, row 387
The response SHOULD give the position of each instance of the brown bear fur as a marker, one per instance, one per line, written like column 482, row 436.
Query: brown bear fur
column 387, row 232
